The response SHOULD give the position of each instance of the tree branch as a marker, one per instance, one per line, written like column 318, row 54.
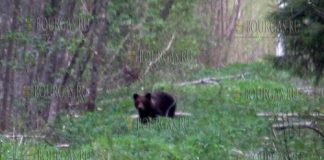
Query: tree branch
column 160, row 56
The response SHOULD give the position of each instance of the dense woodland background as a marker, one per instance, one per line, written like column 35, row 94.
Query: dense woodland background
column 92, row 44
column 68, row 70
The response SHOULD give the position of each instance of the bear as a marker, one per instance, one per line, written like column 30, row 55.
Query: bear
column 154, row 104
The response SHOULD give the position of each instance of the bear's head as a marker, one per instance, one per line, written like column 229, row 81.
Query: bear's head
column 142, row 102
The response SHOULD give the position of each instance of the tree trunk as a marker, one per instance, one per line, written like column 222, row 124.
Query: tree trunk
column 100, row 49
column 7, row 78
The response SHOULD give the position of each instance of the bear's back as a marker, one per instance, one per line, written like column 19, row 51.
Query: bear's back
column 163, row 103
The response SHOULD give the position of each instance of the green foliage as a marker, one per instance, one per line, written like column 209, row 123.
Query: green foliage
column 303, row 41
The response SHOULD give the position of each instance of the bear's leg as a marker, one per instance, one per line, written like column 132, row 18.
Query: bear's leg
column 145, row 120
column 171, row 111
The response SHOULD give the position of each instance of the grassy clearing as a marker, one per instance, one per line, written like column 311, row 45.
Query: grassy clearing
column 224, row 124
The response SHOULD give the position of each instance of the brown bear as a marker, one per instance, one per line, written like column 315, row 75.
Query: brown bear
column 154, row 104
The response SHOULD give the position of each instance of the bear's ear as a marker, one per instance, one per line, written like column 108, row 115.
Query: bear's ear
column 148, row 96
column 135, row 96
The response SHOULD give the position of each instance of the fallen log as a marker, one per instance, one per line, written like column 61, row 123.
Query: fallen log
column 289, row 114
column 212, row 80
column 303, row 124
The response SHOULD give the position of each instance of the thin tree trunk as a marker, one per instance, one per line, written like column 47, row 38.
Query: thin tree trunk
column 73, row 62
column 222, row 17
column 84, row 62
column 7, row 78
column 51, row 66
column 100, row 49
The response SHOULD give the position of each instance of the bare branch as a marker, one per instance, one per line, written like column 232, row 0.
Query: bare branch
column 160, row 56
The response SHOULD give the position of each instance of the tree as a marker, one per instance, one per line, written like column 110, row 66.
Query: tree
column 220, row 21
column 304, row 37
column 8, row 76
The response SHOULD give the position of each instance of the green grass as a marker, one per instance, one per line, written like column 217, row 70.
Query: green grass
column 224, row 122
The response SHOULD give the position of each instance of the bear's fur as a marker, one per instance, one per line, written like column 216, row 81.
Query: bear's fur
column 154, row 104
